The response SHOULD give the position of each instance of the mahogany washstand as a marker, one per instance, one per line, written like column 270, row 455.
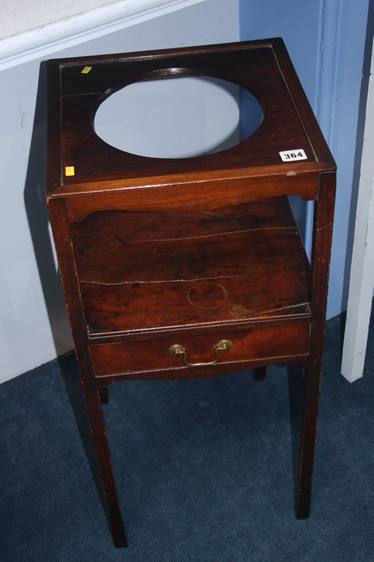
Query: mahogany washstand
column 189, row 267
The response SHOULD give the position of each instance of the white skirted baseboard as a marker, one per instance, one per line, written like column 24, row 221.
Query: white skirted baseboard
column 44, row 40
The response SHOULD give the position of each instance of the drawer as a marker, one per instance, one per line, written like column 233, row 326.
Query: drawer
column 267, row 343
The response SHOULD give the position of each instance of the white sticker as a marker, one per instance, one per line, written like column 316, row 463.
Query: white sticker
column 293, row 155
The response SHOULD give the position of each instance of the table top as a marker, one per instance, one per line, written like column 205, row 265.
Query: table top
column 79, row 161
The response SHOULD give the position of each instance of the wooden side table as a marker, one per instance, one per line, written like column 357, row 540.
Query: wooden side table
column 191, row 267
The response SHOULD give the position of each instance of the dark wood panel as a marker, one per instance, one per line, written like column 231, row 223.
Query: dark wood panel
column 133, row 226
column 268, row 343
column 191, row 193
column 124, row 68
column 124, row 247
column 222, row 256
column 142, row 307
column 197, row 268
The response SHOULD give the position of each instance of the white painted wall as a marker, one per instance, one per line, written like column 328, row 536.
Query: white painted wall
column 185, row 109
column 18, row 16
column 33, row 326
column 35, row 42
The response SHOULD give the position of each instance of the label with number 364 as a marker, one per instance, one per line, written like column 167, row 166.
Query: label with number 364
column 293, row 155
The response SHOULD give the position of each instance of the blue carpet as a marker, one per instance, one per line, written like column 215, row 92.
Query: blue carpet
column 205, row 469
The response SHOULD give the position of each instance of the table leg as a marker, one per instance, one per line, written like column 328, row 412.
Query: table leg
column 313, row 375
column 104, row 464
column 322, row 235
column 104, row 395
column 260, row 374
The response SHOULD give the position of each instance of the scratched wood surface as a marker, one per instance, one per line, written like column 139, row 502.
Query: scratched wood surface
column 258, row 344
column 142, row 270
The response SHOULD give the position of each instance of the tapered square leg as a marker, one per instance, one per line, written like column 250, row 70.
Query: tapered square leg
column 104, row 464
column 308, row 440
column 322, row 236
column 260, row 374
column 104, row 395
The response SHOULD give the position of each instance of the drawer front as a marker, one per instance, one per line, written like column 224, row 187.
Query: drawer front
column 271, row 343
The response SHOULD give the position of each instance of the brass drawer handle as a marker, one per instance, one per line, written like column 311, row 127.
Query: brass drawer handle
column 180, row 351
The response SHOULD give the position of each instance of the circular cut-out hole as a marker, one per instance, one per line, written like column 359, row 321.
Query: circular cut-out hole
column 178, row 117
